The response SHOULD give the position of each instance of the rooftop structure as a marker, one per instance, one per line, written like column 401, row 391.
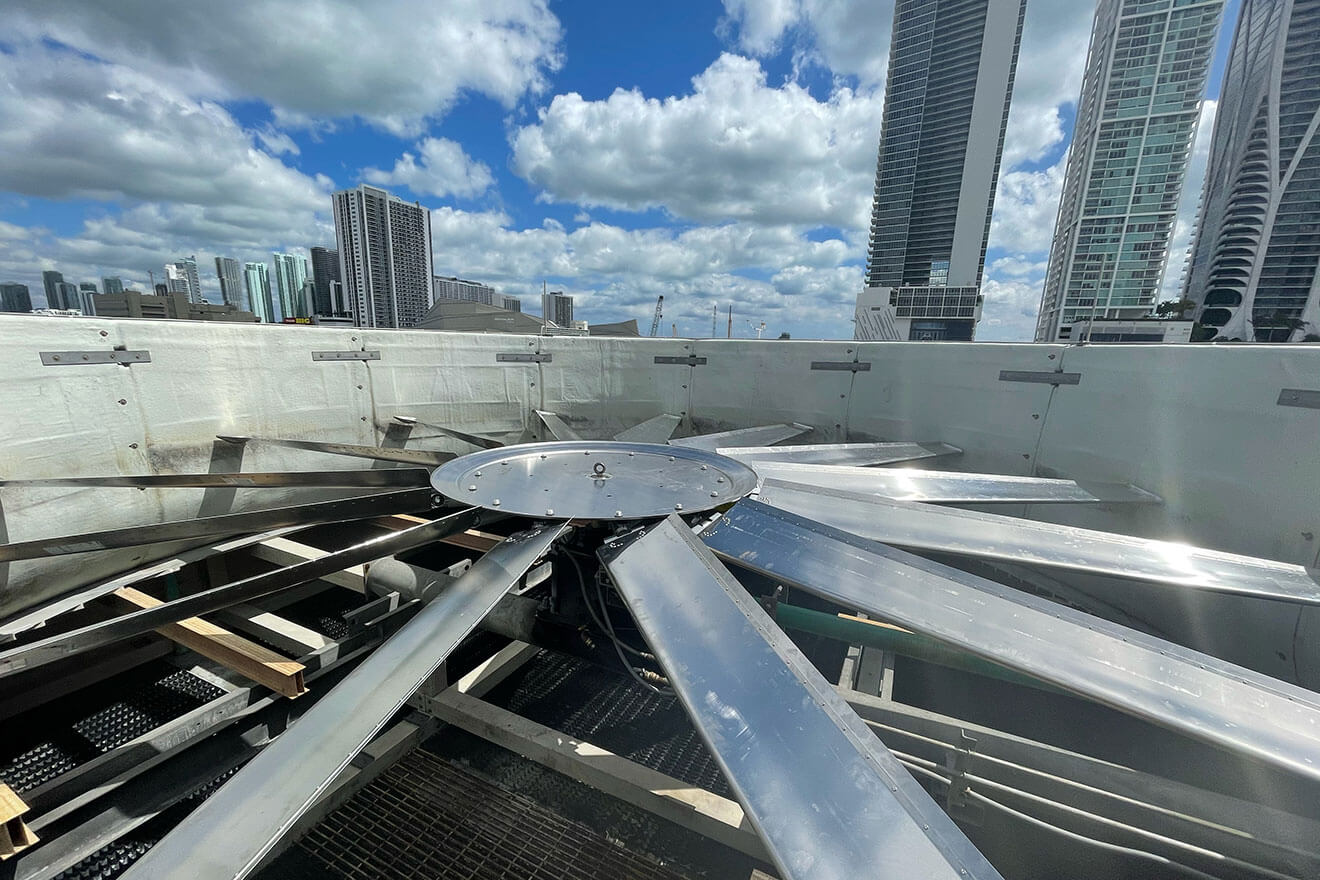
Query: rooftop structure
column 1141, row 100
column 177, row 306
column 406, row 603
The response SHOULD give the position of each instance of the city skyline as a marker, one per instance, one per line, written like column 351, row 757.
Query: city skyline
column 541, row 181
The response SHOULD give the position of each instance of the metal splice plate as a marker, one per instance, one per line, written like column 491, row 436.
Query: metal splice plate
column 594, row 480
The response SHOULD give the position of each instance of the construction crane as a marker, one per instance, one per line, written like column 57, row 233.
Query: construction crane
column 659, row 308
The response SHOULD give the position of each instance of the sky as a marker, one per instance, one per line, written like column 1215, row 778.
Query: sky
column 720, row 154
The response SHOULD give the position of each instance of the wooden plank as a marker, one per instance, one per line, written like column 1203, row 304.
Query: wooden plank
column 693, row 808
column 284, row 634
column 472, row 539
column 15, row 836
column 279, row 673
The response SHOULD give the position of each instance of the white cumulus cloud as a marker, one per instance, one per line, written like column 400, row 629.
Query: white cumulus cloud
column 440, row 168
column 393, row 62
column 734, row 148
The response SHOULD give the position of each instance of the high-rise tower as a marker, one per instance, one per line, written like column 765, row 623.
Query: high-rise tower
column 1141, row 99
column 1253, row 273
column 181, row 277
column 384, row 256
column 257, row 281
column 231, row 282
column 951, row 66
column 290, row 277
column 325, row 277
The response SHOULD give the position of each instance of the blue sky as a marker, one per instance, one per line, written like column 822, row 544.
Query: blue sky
column 718, row 154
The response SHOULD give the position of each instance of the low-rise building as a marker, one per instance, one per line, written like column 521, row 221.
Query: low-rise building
column 132, row 304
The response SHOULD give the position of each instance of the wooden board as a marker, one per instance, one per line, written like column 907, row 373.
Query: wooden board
column 15, row 836
column 279, row 673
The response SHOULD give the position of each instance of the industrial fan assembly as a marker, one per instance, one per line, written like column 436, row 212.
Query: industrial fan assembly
column 687, row 562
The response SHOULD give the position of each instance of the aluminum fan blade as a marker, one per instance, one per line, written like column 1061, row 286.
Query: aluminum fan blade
column 951, row 487
column 825, row 795
column 229, row 834
column 472, row 439
column 761, row 436
column 990, row 536
column 107, row 632
column 1192, row 693
column 383, row 478
column 840, row 453
column 656, row 430
column 556, row 426
column 339, row 510
column 377, row 453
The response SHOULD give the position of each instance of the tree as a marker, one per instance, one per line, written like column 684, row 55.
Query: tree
column 1174, row 309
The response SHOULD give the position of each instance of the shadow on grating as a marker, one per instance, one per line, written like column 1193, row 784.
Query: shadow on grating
column 611, row 710
column 425, row 818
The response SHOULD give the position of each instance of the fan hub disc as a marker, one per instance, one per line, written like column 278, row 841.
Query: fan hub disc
column 601, row 480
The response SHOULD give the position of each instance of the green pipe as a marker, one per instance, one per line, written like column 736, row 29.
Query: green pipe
column 908, row 644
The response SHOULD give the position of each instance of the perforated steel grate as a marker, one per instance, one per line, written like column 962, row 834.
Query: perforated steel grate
column 611, row 710
column 425, row 818
column 162, row 694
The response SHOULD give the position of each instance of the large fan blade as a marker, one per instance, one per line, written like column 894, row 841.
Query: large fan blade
column 656, row 430
column 840, row 453
column 378, row 453
column 951, row 487
column 1192, row 693
column 556, row 426
column 990, row 536
column 760, row 436
column 280, row 479
column 136, row 623
column 227, row 836
column 826, row 796
column 473, row 439
column 360, row 507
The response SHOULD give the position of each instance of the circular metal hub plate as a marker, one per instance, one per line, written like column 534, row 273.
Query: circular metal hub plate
column 594, row 480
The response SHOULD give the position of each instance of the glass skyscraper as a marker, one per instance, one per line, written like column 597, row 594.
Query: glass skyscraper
column 951, row 66
column 1141, row 99
column 231, row 284
column 1253, row 273
column 290, row 276
column 257, row 281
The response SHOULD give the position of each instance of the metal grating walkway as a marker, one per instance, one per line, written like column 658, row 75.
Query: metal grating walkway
column 612, row 711
column 56, row 742
column 425, row 818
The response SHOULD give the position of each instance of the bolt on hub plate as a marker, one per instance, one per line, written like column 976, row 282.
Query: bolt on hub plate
column 599, row 480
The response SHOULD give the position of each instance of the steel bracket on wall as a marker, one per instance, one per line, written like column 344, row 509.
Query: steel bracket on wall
column 1043, row 377
column 690, row 360
column 522, row 357
column 109, row 356
column 346, row 355
column 843, row 366
column 1302, row 397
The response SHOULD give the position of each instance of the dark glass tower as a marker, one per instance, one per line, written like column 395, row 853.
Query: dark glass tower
column 951, row 65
